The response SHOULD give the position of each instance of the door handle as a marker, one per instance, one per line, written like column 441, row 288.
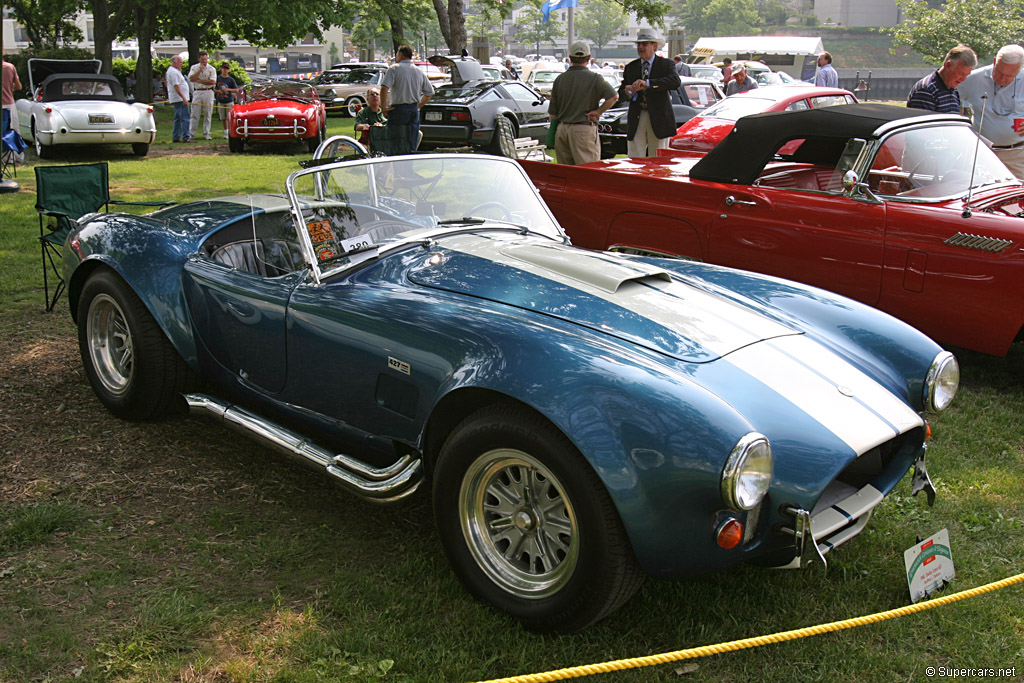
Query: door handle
column 730, row 200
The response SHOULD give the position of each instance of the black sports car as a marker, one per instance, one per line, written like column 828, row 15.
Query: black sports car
column 477, row 112
column 693, row 96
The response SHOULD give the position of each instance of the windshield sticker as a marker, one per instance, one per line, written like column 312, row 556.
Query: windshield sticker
column 322, row 236
column 320, row 231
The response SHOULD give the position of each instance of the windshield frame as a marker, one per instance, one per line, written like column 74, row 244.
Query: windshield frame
column 367, row 252
column 978, row 152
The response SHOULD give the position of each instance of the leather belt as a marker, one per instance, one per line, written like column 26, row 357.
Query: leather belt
column 578, row 123
column 1005, row 147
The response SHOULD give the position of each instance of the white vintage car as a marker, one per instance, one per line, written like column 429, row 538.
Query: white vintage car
column 73, row 103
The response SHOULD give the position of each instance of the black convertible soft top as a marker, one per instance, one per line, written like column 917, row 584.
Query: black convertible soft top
column 755, row 139
column 81, row 86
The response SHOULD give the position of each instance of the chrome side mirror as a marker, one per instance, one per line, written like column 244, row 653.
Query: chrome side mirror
column 850, row 180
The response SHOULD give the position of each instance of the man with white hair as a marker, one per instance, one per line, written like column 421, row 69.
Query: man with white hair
column 1002, row 86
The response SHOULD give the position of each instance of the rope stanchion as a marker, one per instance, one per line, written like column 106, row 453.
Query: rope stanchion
column 746, row 643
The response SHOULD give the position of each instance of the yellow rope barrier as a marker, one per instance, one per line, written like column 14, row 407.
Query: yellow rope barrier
column 678, row 655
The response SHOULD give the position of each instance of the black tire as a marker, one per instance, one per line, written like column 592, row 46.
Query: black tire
column 140, row 149
column 131, row 365
column 503, row 143
column 499, row 448
column 236, row 144
column 42, row 151
column 352, row 105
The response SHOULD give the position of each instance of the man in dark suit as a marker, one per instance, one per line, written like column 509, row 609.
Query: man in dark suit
column 646, row 84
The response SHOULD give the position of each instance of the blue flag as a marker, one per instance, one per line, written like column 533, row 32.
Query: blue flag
column 550, row 6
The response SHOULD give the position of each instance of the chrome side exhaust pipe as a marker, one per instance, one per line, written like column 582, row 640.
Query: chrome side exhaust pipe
column 374, row 484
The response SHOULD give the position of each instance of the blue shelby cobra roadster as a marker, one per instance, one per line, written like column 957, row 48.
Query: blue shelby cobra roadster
column 581, row 418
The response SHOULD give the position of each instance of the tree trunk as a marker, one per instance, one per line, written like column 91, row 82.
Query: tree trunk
column 457, row 27
column 442, row 19
column 192, row 35
column 107, row 20
column 397, row 33
column 145, row 26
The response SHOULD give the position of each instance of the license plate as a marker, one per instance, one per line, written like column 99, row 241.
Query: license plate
column 432, row 116
column 101, row 118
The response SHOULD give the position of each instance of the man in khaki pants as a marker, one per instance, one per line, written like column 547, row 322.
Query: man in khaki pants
column 576, row 104
column 204, row 80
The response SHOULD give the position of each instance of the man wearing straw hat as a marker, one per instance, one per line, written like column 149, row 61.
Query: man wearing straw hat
column 646, row 84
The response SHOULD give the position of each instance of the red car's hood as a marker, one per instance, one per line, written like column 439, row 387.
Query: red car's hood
column 700, row 134
column 278, row 108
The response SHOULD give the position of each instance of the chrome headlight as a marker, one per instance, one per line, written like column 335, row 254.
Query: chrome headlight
column 748, row 472
column 942, row 382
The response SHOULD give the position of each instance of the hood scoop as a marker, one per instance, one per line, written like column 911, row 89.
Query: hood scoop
column 609, row 275
column 630, row 300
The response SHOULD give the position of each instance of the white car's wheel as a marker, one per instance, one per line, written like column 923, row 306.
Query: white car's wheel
column 42, row 151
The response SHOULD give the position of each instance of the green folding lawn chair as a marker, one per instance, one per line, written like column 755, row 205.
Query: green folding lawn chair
column 63, row 195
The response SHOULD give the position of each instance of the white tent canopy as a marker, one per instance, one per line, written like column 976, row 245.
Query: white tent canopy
column 761, row 45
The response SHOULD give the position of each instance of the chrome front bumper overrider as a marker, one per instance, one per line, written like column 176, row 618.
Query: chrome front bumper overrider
column 839, row 516
column 376, row 485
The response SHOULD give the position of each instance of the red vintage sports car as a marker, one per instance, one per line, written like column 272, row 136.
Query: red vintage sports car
column 710, row 127
column 278, row 112
column 897, row 208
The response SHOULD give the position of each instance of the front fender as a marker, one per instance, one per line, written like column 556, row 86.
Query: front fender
column 657, row 439
column 149, row 261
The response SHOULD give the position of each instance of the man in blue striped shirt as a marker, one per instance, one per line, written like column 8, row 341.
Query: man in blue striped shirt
column 937, row 91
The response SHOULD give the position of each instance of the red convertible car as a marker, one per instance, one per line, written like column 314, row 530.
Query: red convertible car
column 897, row 208
column 278, row 112
column 706, row 130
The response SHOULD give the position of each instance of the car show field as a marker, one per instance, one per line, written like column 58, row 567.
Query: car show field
column 174, row 550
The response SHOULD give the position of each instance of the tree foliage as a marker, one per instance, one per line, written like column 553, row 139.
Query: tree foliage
column 600, row 21
column 531, row 28
column 717, row 17
column 984, row 25
column 48, row 23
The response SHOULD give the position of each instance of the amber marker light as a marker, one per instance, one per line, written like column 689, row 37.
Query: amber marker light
column 730, row 533
column 927, row 430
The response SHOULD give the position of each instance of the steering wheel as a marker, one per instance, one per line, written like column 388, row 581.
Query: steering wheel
column 484, row 211
column 917, row 167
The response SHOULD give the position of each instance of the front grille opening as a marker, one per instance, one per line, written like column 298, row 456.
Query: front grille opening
column 869, row 465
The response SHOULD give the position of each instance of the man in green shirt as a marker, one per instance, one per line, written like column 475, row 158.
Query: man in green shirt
column 368, row 116
column 576, row 103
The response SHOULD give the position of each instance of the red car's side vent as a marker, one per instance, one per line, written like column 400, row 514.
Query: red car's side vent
column 993, row 244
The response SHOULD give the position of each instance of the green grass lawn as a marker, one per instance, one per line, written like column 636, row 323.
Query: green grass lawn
column 176, row 551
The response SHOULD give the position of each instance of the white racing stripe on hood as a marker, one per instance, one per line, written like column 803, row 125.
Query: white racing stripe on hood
column 810, row 376
column 718, row 324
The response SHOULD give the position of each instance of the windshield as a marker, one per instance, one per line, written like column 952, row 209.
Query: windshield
column 292, row 91
column 545, row 76
column 459, row 94
column 360, row 77
column 351, row 210
column 734, row 108
column 935, row 161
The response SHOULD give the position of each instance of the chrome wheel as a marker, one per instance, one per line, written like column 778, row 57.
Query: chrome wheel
column 111, row 347
column 353, row 105
column 518, row 524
